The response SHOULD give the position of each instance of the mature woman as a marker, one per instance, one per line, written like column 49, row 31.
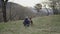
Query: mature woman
column 26, row 22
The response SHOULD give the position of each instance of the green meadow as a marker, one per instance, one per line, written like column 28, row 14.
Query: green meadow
column 41, row 25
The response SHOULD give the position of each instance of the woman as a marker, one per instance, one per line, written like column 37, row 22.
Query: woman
column 26, row 22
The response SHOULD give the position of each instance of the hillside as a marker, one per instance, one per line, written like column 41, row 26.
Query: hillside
column 16, row 12
column 42, row 25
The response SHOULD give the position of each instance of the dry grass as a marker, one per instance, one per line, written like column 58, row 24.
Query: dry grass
column 42, row 25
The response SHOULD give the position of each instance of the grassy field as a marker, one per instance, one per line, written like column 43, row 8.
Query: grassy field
column 42, row 25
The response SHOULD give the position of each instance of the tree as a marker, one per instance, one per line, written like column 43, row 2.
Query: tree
column 4, row 2
column 53, row 5
column 38, row 7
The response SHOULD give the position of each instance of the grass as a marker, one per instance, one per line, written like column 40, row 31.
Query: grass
column 42, row 25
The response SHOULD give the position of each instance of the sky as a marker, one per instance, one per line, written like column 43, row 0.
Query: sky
column 29, row 3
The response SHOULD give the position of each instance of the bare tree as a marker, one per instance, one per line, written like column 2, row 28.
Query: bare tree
column 38, row 7
column 4, row 2
column 54, row 6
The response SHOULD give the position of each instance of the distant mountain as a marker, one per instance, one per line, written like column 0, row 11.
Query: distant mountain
column 15, row 11
column 18, row 11
column 42, row 12
column 45, row 12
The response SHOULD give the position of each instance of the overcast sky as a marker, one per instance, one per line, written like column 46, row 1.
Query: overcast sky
column 29, row 3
